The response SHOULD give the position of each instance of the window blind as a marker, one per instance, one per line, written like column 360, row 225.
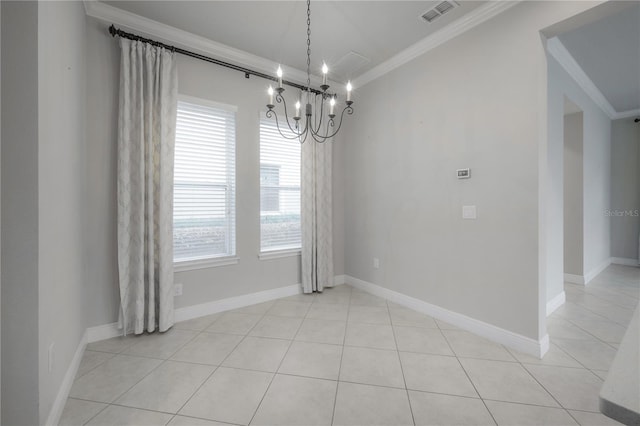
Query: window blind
column 204, row 182
column 279, row 189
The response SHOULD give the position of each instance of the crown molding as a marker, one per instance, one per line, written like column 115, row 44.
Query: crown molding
column 627, row 114
column 558, row 50
column 189, row 41
column 465, row 23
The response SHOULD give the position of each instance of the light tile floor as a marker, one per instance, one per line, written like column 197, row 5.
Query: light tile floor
column 346, row 357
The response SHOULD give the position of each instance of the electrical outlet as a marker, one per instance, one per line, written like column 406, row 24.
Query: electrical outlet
column 376, row 262
column 177, row 289
column 51, row 356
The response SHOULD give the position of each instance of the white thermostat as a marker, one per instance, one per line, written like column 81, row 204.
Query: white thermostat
column 463, row 173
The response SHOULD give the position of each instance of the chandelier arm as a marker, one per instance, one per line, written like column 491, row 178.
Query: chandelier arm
column 318, row 122
column 271, row 113
column 349, row 111
column 295, row 129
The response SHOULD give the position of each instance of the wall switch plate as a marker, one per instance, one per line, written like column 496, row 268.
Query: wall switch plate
column 177, row 289
column 469, row 212
column 463, row 173
column 376, row 262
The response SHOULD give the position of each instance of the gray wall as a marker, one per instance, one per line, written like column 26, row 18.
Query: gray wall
column 20, row 350
column 43, row 203
column 596, row 172
column 573, row 195
column 202, row 80
column 61, row 190
column 625, row 187
column 472, row 102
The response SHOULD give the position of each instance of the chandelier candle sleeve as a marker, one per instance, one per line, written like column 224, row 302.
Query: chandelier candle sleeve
column 270, row 91
column 349, row 91
column 279, row 73
column 325, row 70
column 332, row 103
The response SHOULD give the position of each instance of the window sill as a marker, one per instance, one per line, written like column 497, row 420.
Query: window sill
column 215, row 262
column 278, row 254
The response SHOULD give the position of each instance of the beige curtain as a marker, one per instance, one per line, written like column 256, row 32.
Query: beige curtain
column 146, row 138
column 317, row 218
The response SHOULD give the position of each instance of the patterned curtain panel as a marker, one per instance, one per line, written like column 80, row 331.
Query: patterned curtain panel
column 317, row 218
column 146, row 138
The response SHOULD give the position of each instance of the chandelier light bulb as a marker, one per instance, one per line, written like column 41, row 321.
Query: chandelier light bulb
column 325, row 70
column 332, row 103
column 279, row 74
column 270, row 92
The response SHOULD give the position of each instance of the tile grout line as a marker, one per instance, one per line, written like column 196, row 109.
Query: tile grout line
column 223, row 360
column 142, row 378
column 275, row 373
column 344, row 338
column 486, row 407
column 404, row 380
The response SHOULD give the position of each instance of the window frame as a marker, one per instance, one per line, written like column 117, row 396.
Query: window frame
column 229, row 259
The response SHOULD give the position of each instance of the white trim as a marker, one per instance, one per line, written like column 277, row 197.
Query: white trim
column 595, row 271
column 63, row 392
column 103, row 332
column 574, row 279
column 277, row 254
column 192, row 42
column 556, row 302
column 567, row 61
column 627, row 114
column 339, row 280
column 625, row 261
column 189, row 265
column 213, row 307
column 508, row 338
column 207, row 102
column 465, row 23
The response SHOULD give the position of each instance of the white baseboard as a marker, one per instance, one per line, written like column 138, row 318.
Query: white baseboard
column 508, row 338
column 595, row 271
column 65, row 387
column 103, row 332
column 339, row 279
column 555, row 303
column 213, row 307
column 625, row 261
column 574, row 279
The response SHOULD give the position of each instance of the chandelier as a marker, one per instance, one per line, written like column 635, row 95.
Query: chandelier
column 314, row 124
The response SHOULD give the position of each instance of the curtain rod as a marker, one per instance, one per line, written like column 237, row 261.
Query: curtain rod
column 247, row 71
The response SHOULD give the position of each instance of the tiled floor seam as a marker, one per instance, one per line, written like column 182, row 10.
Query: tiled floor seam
column 413, row 418
column 344, row 338
column 467, row 374
column 221, row 362
column 275, row 373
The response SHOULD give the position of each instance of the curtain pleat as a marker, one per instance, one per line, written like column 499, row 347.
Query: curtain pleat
column 317, row 218
column 146, row 139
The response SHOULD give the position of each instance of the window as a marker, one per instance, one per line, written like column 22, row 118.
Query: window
column 279, row 189
column 204, row 181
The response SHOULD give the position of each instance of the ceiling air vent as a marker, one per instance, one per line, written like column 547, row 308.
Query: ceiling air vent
column 439, row 10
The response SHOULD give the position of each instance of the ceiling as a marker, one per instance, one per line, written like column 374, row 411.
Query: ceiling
column 351, row 36
column 608, row 51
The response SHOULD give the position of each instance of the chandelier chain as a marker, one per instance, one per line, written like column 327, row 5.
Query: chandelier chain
column 308, row 45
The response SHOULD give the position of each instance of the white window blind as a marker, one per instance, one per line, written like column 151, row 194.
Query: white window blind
column 279, row 189
column 204, row 182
